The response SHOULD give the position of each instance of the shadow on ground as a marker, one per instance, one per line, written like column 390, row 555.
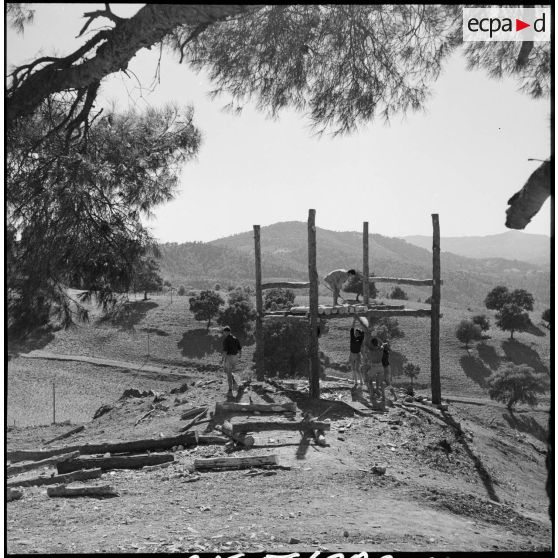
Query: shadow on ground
column 518, row 353
column 488, row 355
column 129, row 315
column 198, row 343
column 475, row 369
column 155, row 331
column 527, row 424
column 36, row 340
column 535, row 330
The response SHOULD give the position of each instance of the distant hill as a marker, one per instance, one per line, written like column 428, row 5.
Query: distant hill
column 511, row 245
column 230, row 261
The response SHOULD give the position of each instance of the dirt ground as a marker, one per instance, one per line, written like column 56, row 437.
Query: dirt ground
column 483, row 490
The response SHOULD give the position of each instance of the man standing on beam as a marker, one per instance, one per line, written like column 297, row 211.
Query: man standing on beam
column 335, row 280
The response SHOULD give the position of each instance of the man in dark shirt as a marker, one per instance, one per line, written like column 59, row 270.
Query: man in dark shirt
column 231, row 353
column 357, row 337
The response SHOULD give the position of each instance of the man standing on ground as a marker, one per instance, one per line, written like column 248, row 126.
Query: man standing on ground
column 232, row 351
column 357, row 337
column 335, row 280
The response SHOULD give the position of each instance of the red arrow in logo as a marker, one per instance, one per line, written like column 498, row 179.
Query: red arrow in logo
column 519, row 25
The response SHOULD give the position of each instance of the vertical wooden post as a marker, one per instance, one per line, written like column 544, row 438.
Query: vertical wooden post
column 313, row 278
column 259, row 306
column 435, row 315
column 365, row 266
column 53, row 402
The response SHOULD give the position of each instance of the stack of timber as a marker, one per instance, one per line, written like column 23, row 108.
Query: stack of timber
column 299, row 312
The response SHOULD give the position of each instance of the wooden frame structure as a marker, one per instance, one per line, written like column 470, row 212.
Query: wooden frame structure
column 372, row 311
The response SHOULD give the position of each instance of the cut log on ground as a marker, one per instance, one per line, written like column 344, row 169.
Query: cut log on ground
column 115, row 462
column 35, row 455
column 259, row 407
column 241, row 437
column 256, row 426
column 66, row 434
column 64, row 491
column 145, row 416
column 235, row 462
column 16, row 469
column 80, row 475
column 12, row 494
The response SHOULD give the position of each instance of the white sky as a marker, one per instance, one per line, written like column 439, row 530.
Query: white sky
column 463, row 158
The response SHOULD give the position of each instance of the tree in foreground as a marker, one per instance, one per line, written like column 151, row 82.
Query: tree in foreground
column 279, row 299
column 412, row 371
column 512, row 318
column 398, row 293
column 75, row 209
column 354, row 285
column 499, row 296
column 239, row 314
column 517, row 384
column 205, row 306
column 482, row 321
column 468, row 331
column 146, row 276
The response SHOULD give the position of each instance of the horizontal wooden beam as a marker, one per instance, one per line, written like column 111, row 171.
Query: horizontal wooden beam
column 82, row 474
column 286, row 285
column 404, row 281
column 114, row 462
column 259, row 407
column 421, row 313
column 64, row 491
column 235, row 462
column 56, row 459
column 256, row 426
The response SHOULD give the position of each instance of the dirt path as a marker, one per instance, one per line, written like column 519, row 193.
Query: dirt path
column 102, row 362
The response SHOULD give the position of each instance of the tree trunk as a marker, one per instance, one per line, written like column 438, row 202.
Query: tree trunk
column 117, row 47
column 145, row 295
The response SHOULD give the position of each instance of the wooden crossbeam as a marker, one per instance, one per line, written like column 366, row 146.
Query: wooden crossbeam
column 286, row 285
column 421, row 313
column 404, row 281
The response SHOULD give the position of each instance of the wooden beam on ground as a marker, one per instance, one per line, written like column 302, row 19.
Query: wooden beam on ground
column 189, row 413
column 114, row 462
column 198, row 418
column 402, row 281
column 235, row 462
column 64, row 491
column 82, row 474
column 286, row 285
column 257, row 426
column 365, row 264
column 230, row 407
column 17, row 469
column 66, row 434
column 241, row 437
column 35, row 455
column 313, row 345
column 259, row 353
column 435, row 318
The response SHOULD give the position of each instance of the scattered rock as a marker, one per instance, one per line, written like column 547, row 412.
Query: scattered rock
column 342, row 438
column 181, row 389
column 378, row 470
column 345, row 533
column 443, row 407
column 134, row 392
column 294, row 540
column 13, row 494
column 408, row 399
column 159, row 396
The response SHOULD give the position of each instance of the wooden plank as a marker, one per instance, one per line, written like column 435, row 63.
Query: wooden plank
column 66, row 434
column 15, row 456
column 82, row 474
column 226, row 406
column 16, row 469
column 365, row 264
column 421, row 313
column 313, row 344
column 435, row 317
column 114, row 462
column 198, row 418
column 402, row 281
column 286, row 285
column 259, row 353
column 189, row 413
column 257, row 426
column 64, row 491
column 235, row 462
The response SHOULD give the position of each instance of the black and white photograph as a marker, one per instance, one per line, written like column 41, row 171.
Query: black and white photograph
column 278, row 279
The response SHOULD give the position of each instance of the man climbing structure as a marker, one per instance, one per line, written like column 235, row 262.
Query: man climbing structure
column 335, row 280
